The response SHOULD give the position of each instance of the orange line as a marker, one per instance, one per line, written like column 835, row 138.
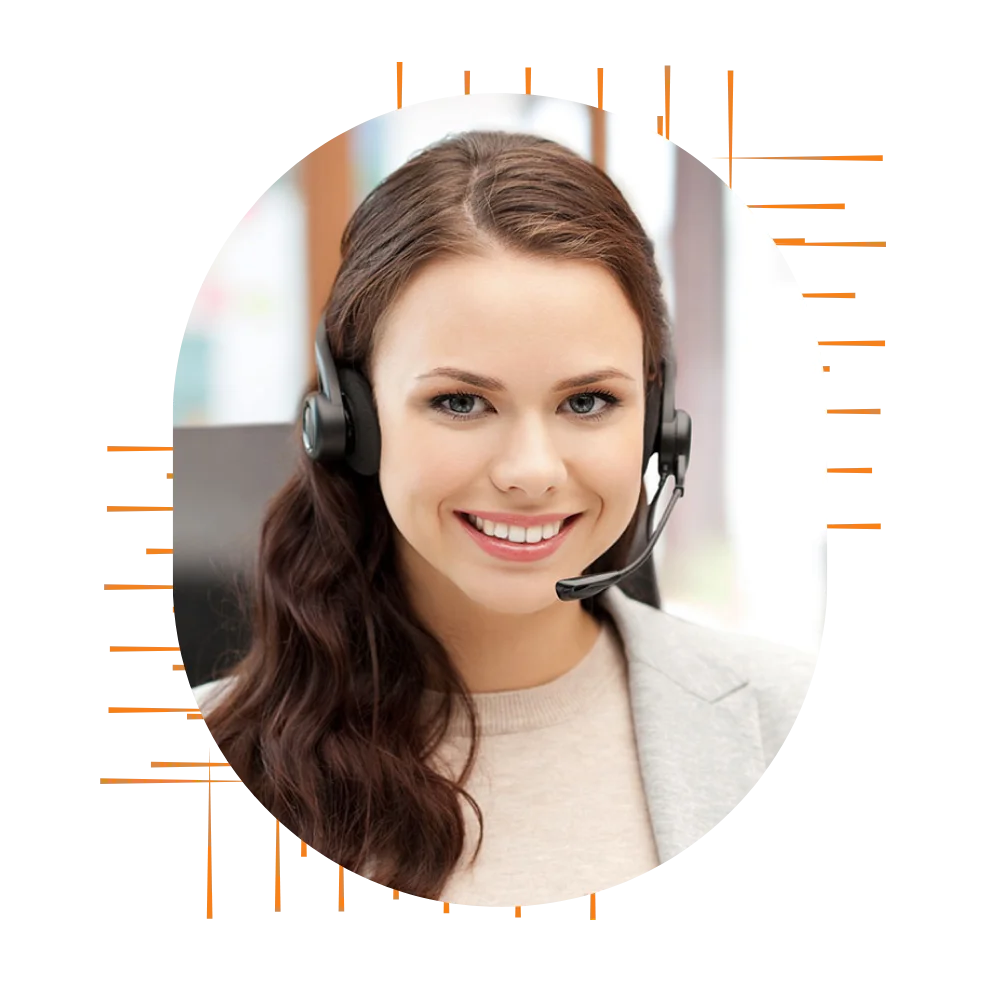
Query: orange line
column 190, row 711
column 340, row 891
column 527, row 79
column 446, row 909
column 186, row 763
column 803, row 158
column 118, row 508
column 159, row 552
column 466, row 81
column 277, row 867
column 145, row 649
column 593, row 906
column 395, row 894
column 517, row 911
column 804, row 207
column 178, row 666
column 851, row 343
column 195, row 716
column 600, row 89
column 828, row 295
column 854, row 158
column 209, row 895
column 170, row 475
column 209, row 913
column 666, row 106
column 659, row 124
column 854, row 525
column 730, row 129
column 138, row 586
column 826, row 368
column 303, row 848
column 399, row 85
column 124, row 447
column 853, row 411
column 848, row 470
column 799, row 241
column 169, row 781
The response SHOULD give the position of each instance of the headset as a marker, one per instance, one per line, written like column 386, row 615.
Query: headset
column 340, row 425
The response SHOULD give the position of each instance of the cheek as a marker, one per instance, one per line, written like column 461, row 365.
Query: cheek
column 421, row 470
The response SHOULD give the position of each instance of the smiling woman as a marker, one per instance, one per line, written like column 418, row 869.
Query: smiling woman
column 418, row 704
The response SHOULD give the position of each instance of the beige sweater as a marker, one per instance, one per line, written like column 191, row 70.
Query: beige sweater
column 557, row 779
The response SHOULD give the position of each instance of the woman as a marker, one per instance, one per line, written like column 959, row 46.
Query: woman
column 418, row 704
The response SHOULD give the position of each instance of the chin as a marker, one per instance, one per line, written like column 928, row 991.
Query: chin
column 514, row 596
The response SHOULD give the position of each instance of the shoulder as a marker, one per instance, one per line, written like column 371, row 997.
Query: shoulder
column 773, row 670
column 207, row 695
column 778, row 676
column 713, row 664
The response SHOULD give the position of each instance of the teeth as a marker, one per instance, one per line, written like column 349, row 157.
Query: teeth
column 513, row 532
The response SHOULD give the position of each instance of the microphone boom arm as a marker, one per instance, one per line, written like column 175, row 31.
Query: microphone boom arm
column 579, row 587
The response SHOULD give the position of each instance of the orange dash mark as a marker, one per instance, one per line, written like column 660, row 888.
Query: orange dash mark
column 178, row 666
column 209, row 914
column 527, row 79
column 119, row 710
column 517, row 911
column 600, row 89
column 341, row 898
column 138, row 448
column 276, row 865
column 853, row 411
column 303, row 849
column 170, row 475
column 731, row 95
column 467, row 75
column 801, row 241
column 851, row 343
column 138, row 586
column 400, row 75
column 803, row 158
column 848, row 470
column 854, row 525
column 820, row 206
column 141, row 508
column 145, row 649
column 826, row 368
column 159, row 552
column 195, row 716
column 663, row 121
column 395, row 894
column 593, row 906
column 446, row 908
column 828, row 295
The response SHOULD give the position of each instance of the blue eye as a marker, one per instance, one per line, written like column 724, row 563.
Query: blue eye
column 459, row 405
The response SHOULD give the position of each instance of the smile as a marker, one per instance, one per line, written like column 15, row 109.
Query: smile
column 514, row 542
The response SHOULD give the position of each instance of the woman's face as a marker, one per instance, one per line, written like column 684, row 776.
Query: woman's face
column 524, row 423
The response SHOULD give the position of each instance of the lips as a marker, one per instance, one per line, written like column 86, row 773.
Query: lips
column 500, row 548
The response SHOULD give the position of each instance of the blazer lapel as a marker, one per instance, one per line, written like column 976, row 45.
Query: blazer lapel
column 696, row 723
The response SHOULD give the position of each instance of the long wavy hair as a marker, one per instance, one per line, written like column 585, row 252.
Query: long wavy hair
column 325, row 718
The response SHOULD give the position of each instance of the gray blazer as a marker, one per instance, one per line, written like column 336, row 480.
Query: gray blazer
column 710, row 710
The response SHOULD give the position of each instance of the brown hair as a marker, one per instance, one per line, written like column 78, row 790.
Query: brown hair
column 324, row 720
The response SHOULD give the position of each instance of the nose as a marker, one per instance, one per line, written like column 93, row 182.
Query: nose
column 529, row 460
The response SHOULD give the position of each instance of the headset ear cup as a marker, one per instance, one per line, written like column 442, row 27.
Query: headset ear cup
column 366, row 448
column 323, row 432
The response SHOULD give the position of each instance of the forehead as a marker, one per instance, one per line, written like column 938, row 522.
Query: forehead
column 506, row 309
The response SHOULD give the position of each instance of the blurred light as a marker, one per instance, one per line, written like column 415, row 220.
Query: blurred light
column 774, row 477
column 242, row 359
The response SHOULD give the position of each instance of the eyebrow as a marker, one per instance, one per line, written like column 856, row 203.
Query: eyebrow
column 495, row 385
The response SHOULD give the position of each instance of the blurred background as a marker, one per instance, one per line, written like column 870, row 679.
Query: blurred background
column 745, row 547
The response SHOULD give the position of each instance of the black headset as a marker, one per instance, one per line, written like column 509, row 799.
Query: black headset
column 340, row 425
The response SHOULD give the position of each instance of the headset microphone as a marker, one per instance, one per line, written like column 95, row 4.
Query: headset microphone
column 578, row 587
